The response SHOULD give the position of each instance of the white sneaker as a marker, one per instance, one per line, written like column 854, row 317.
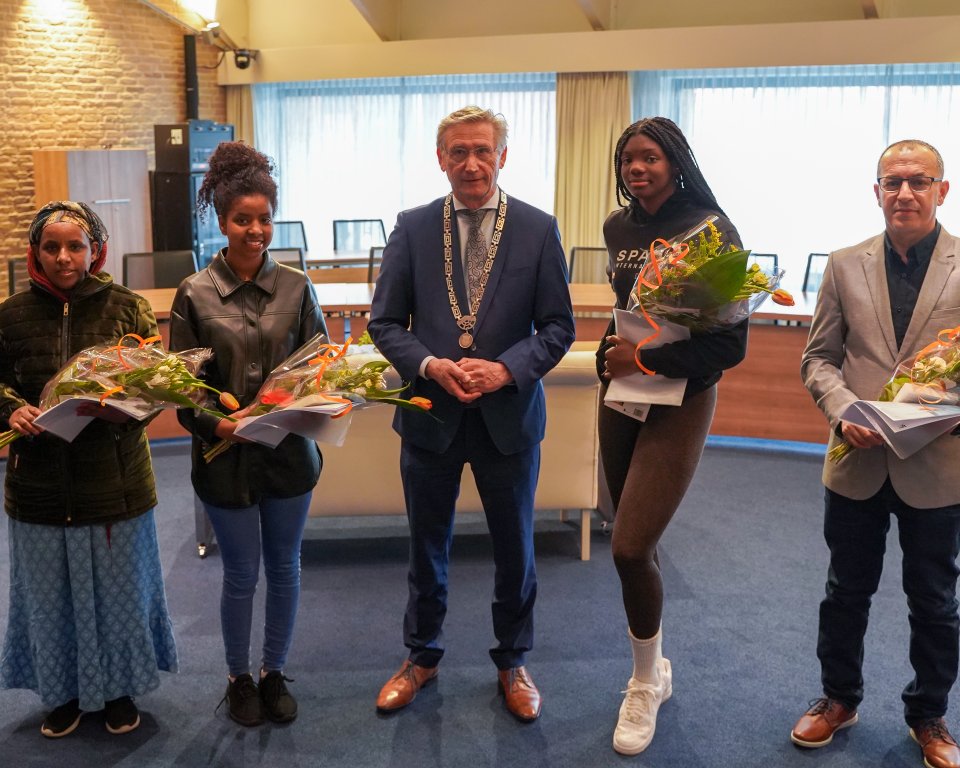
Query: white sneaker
column 638, row 713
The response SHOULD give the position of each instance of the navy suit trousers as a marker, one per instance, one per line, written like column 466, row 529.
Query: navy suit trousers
column 506, row 484
column 856, row 533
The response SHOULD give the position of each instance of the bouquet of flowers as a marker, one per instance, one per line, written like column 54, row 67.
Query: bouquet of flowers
column 321, row 373
column 701, row 283
column 931, row 378
column 142, row 376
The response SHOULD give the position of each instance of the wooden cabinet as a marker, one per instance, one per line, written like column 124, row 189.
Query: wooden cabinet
column 113, row 182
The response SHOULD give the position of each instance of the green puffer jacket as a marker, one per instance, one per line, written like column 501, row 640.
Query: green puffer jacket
column 105, row 475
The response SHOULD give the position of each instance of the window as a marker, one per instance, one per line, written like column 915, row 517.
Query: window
column 791, row 152
column 361, row 149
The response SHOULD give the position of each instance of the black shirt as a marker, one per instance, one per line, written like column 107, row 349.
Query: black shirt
column 904, row 281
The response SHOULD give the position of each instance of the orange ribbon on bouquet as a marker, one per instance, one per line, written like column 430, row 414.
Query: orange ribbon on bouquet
column 945, row 336
column 328, row 354
column 677, row 253
column 141, row 343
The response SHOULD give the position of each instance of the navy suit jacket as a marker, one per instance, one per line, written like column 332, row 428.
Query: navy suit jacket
column 525, row 321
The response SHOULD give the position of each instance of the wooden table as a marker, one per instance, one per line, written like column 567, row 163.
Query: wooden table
column 762, row 397
column 355, row 298
column 325, row 262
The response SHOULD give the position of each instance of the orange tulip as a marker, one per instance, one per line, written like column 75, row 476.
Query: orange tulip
column 422, row 402
column 228, row 401
column 783, row 298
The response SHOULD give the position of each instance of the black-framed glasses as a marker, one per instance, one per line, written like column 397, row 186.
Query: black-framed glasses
column 917, row 183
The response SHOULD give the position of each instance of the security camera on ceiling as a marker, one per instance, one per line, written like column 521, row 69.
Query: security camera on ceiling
column 243, row 57
column 215, row 35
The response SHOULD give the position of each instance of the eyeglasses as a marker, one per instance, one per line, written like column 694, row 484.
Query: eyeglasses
column 917, row 183
column 483, row 154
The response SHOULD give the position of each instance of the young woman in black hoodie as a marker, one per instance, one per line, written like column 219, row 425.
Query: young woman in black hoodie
column 649, row 464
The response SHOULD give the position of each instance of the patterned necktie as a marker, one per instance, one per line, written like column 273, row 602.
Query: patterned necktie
column 476, row 251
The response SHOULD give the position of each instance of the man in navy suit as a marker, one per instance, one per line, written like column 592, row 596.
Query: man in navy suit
column 472, row 306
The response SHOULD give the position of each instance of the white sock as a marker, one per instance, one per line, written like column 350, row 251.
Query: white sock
column 646, row 654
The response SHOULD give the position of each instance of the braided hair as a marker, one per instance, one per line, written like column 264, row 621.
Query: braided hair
column 671, row 140
column 236, row 170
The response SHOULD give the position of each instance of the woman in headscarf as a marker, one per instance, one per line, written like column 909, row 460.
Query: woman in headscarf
column 88, row 627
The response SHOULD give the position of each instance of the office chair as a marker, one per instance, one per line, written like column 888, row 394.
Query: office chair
column 292, row 257
column 157, row 269
column 768, row 262
column 358, row 234
column 373, row 267
column 289, row 234
column 590, row 264
column 17, row 276
column 816, row 262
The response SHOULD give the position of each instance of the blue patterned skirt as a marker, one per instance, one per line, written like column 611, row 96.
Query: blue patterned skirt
column 88, row 614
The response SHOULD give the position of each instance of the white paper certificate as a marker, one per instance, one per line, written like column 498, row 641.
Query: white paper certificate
column 634, row 394
column 311, row 421
column 905, row 427
column 63, row 420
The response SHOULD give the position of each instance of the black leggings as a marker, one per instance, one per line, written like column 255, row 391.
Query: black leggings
column 648, row 466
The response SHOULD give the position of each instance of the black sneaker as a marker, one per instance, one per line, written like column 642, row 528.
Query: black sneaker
column 243, row 701
column 122, row 715
column 63, row 720
column 278, row 704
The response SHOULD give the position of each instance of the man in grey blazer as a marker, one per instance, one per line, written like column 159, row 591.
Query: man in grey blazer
column 880, row 302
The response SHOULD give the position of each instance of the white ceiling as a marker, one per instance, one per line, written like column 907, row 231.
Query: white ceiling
column 306, row 23
column 316, row 39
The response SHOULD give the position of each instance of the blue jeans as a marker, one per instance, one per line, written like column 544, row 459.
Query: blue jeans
column 278, row 523
column 856, row 533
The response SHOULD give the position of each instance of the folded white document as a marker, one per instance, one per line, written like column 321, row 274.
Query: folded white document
column 634, row 394
column 905, row 427
column 312, row 421
column 63, row 420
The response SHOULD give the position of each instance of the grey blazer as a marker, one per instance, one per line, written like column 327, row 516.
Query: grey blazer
column 851, row 353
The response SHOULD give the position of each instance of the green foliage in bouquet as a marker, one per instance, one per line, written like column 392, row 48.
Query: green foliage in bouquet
column 934, row 370
column 322, row 372
column 141, row 373
column 701, row 283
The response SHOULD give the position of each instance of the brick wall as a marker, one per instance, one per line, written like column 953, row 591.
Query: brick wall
column 101, row 77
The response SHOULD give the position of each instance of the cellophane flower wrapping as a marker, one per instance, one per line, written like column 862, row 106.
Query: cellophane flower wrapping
column 144, row 377
column 931, row 377
column 699, row 282
column 321, row 371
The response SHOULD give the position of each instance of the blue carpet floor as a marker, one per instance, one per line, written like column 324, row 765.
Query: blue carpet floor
column 744, row 567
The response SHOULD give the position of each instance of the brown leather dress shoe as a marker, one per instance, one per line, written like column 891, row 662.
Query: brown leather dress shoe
column 520, row 694
column 402, row 688
column 824, row 718
column 939, row 748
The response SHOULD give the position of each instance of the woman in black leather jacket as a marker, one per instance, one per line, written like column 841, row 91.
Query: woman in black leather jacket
column 252, row 312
